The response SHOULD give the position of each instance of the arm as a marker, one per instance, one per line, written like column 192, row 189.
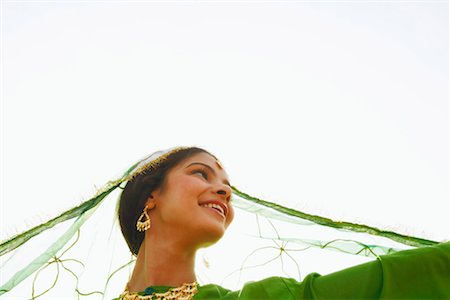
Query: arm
column 422, row 273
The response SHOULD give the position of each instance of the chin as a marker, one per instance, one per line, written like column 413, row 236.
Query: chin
column 211, row 235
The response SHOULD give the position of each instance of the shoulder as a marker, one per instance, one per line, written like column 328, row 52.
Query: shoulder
column 268, row 288
column 277, row 288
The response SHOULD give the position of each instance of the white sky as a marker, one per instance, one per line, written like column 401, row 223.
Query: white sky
column 335, row 108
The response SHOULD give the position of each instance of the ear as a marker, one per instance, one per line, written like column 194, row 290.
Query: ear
column 151, row 202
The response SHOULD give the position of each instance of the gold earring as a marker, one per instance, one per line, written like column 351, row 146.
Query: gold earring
column 144, row 222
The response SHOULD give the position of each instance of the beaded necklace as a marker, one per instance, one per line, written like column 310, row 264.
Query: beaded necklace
column 184, row 292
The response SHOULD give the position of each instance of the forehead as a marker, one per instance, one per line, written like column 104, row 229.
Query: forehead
column 207, row 159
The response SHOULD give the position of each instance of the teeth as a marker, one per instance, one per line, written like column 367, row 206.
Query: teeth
column 212, row 205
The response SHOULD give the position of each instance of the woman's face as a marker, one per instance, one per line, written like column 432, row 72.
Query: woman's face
column 194, row 200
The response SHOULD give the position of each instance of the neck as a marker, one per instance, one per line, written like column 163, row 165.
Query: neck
column 162, row 261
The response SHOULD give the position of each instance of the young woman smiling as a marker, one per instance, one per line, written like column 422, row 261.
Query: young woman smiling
column 178, row 201
column 190, row 209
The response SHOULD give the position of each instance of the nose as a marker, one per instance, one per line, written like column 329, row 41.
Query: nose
column 225, row 191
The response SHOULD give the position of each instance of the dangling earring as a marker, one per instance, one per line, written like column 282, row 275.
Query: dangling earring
column 144, row 222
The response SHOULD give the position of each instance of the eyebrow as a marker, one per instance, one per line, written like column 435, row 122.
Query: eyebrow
column 210, row 168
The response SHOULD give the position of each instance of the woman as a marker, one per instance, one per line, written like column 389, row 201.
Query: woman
column 187, row 198
column 179, row 201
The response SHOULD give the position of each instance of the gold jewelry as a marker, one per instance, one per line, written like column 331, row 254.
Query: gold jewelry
column 184, row 292
column 153, row 161
column 146, row 224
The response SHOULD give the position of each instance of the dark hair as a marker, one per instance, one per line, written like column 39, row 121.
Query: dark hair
column 138, row 190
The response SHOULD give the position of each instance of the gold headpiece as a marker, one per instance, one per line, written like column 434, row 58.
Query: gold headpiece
column 153, row 161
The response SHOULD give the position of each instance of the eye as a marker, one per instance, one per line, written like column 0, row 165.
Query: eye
column 201, row 172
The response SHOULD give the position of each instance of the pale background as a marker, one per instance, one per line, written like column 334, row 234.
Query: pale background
column 336, row 108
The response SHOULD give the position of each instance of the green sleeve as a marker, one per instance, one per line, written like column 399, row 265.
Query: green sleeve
column 422, row 273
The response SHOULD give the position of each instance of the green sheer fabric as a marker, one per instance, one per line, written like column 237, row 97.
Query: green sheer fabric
column 422, row 273
column 80, row 254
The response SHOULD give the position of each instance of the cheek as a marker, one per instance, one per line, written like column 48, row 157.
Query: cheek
column 190, row 185
column 184, row 194
column 185, row 187
column 230, row 216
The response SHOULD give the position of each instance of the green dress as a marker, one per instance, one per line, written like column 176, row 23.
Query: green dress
column 422, row 273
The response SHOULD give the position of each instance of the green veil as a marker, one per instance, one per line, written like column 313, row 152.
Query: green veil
column 80, row 254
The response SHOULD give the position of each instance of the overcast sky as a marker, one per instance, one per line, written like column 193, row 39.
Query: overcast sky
column 335, row 108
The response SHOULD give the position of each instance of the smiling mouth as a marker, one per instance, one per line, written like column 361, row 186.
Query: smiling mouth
column 216, row 208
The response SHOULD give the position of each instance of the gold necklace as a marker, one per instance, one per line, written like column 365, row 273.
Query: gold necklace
column 184, row 292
